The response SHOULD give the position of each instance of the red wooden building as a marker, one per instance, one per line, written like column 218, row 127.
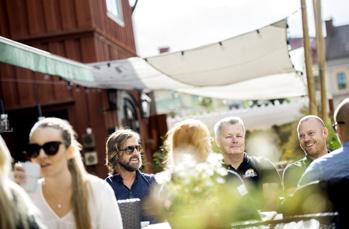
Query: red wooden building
column 85, row 31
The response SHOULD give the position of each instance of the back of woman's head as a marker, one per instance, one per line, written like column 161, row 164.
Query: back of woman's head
column 189, row 136
column 15, row 206
column 76, row 168
column 5, row 160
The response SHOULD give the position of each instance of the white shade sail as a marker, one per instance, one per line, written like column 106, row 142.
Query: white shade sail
column 255, row 65
column 259, row 53
column 268, row 87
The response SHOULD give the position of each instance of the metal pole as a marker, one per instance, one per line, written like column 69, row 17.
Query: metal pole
column 308, row 61
column 321, row 50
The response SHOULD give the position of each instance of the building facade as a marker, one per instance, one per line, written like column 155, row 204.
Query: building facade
column 337, row 56
column 85, row 31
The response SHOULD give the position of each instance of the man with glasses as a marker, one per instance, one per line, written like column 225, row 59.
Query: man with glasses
column 335, row 164
column 123, row 159
column 312, row 136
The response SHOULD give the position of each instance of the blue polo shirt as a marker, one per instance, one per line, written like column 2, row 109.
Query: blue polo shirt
column 139, row 189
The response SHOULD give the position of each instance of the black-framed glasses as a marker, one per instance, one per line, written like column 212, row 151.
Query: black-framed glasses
column 50, row 149
column 130, row 149
column 334, row 125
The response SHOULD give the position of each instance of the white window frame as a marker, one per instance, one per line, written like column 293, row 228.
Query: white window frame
column 114, row 11
column 342, row 82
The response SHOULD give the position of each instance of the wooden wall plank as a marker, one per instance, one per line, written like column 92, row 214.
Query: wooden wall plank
column 77, row 114
column 109, row 26
column 97, row 124
column 113, row 53
column 17, row 11
column 52, row 15
column 128, row 29
column 88, row 49
column 99, row 50
column 43, row 87
column 4, row 19
column 96, row 10
column 9, row 91
column 68, row 15
column 102, row 49
column 129, row 35
column 35, row 19
column 110, row 116
column 59, row 89
column 106, row 54
column 73, row 49
column 83, row 13
column 25, row 87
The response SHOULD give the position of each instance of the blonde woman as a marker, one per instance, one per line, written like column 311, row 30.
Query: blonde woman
column 16, row 209
column 189, row 138
column 67, row 195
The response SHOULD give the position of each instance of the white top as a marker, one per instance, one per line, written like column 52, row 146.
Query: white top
column 103, row 207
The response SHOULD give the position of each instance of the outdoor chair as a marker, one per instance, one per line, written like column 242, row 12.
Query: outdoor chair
column 321, row 197
column 130, row 210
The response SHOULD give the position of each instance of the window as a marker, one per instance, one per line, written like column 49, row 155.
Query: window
column 114, row 11
column 127, row 111
column 341, row 80
column 130, row 115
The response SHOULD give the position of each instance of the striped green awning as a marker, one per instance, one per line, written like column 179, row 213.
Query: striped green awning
column 37, row 60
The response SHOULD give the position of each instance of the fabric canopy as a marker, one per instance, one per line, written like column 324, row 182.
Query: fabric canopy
column 268, row 87
column 255, row 65
column 254, row 54
column 18, row 54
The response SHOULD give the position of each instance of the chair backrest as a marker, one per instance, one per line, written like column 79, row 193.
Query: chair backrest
column 319, row 197
column 308, row 199
column 130, row 210
column 338, row 194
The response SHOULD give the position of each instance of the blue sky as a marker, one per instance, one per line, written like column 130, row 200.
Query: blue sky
column 184, row 24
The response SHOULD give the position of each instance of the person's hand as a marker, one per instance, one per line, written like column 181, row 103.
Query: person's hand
column 19, row 174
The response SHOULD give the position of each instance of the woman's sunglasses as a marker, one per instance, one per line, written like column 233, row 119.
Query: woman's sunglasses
column 130, row 149
column 50, row 149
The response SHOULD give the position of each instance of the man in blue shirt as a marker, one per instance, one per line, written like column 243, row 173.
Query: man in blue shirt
column 123, row 151
column 335, row 164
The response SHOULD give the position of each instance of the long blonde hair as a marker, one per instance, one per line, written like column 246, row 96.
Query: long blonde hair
column 188, row 136
column 80, row 186
column 15, row 206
